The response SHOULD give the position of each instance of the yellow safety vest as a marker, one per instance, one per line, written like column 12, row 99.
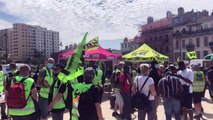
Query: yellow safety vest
column 44, row 92
column 29, row 108
column 1, row 81
column 199, row 81
column 61, row 103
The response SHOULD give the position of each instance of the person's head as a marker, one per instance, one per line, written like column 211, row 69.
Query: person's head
column 161, row 67
column 154, row 64
column 144, row 68
column 89, row 74
column 172, row 68
column 12, row 67
column 126, row 69
column 181, row 65
column 24, row 70
column 120, row 65
column 57, row 68
column 50, row 62
column 196, row 67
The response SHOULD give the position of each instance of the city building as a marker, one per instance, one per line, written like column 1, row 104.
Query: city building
column 26, row 39
column 194, row 36
column 129, row 45
column 5, row 38
column 158, row 34
column 187, row 29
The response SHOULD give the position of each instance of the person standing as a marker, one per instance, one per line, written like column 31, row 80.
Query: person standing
column 169, row 88
column 149, row 90
column 13, row 72
column 127, row 85
column 156, row 76
column 45, row 80
column 209, row 76
column 2, row 86
column 89, row 102
column 198, row 87
column 58, row 94
column 28, row 112
column 186, row 77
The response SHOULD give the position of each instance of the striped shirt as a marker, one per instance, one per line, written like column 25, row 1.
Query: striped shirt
column 169, row 87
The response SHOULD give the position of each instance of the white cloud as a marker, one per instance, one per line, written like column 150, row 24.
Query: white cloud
column 5, row 24
column 109, row 19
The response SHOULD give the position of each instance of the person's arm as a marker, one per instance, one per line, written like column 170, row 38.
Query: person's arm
column 34, row 94
column 99, row 111
column 184, row 79
column 160, row 87
column 131, row 82
column 40, row 81
column 59, row 95
column 152, row 89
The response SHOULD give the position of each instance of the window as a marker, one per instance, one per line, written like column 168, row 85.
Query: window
column 198, row 54
column 183, row 55
column 205, row 52
column 177, row 44
column 205, row 41
column 183, row 44
column 198, row 42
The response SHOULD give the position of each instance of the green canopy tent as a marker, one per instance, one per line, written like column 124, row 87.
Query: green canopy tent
column 144, row 54
column 209, row 57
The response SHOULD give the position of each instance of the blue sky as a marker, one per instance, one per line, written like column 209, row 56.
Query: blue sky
column 111, row 20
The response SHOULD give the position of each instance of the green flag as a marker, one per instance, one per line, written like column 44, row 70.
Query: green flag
column 74, row 65
column 191, row 55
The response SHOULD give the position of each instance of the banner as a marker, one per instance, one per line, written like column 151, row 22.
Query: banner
column 74, row 65
column 191, row 55
column 92, row 44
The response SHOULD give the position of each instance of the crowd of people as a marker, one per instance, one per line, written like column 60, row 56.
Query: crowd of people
column 36, row 97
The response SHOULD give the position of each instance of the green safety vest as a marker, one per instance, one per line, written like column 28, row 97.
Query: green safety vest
column 97, row 79
column 1, row 81
column 79, row 88
column 199, row 81
column 29, row 108
column 61, row 103
column 44, row 92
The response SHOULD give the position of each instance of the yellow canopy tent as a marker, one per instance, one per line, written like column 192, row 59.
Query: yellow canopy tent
column 144, row 54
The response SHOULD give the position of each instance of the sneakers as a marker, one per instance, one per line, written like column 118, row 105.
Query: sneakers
column 115, row 114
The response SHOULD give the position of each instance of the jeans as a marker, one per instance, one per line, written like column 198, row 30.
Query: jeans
column 58, row 115
column 43, row 104
column 26, row 117
column 127, row 105
column 171, row 105
column 151, row 114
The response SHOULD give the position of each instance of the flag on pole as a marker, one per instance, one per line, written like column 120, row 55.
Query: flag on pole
column 92, row 44
column 74, row 65
column 191, row 55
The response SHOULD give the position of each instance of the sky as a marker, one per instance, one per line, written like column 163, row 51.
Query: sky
column 111, row 20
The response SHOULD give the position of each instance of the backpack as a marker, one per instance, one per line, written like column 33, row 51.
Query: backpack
column 140, row 100
column 16, row 95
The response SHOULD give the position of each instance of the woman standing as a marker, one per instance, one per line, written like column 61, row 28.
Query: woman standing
column 148, row 90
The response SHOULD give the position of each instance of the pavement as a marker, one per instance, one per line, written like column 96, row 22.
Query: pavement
column 107, row 112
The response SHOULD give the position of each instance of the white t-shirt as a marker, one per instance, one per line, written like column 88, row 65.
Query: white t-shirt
column 141, row 79
column 188, row 74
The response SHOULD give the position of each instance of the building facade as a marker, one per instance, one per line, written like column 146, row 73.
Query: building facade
column 128, row 45
column 158, row 34
column 26, row 39
column 194, row 36
column 5, row 39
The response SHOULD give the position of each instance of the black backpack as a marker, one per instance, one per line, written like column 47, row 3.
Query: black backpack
column 140, row 100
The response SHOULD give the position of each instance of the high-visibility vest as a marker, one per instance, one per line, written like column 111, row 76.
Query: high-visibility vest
column 1, row 81
column 199, row 81
column 61, row 103
column 29, row 108
column 97, row 79
column 44, row 92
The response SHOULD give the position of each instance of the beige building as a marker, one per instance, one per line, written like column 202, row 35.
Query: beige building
column 5, row 39
column 196, row 36
column 25, row 39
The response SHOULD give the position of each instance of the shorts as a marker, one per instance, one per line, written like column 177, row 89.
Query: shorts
column 197, row 97
column 186, row 101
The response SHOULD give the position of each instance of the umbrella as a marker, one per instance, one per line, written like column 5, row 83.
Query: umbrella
column 209, row 56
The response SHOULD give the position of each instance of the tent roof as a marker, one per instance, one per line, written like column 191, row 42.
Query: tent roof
column 145, row 53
